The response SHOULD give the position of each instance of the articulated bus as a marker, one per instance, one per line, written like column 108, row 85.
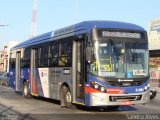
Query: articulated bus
column 92, row 63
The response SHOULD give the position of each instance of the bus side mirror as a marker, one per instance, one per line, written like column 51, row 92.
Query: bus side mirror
column 89, row 54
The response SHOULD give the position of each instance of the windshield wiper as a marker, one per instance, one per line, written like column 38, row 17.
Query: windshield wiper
column 115, row 48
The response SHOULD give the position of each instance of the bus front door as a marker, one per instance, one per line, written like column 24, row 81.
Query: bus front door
column 33, row 74
column 78, row 75
column 17, row 72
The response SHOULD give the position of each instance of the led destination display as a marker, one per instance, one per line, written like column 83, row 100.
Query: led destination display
column 121, row 34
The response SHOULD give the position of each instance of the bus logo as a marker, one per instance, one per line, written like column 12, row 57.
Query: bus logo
column 43, row 74
column 127, row 80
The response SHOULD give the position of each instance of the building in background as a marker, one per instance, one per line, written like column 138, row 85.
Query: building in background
column 4, row 56
column 154, row 34
column 1, row 60
column 154, row 49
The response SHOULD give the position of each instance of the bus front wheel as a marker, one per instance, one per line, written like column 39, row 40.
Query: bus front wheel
column 66, row 97
column 25, row 90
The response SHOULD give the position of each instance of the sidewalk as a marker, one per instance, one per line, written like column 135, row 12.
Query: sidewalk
column 157, row 89
column 156, row 85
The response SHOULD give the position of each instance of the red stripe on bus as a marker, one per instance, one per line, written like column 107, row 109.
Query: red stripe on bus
column 33, row 85
column 90, row 90
column 115, row 91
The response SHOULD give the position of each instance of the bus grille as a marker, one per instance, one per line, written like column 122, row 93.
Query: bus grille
column 124, row 84
column 122, row 98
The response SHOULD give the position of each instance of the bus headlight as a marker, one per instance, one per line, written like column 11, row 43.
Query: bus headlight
column 102, row 89
column 147, row 86
column 97, row 86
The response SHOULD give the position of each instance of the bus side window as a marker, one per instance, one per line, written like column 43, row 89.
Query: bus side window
column 62, row 55
column 12, row 62
column 25, row 63
column 65, row 54
column 53, row 55
column 69, row 57
column 26, row 59
column 43, row 55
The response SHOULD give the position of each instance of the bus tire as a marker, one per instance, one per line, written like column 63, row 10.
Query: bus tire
column 65, row 97
column 25, row 91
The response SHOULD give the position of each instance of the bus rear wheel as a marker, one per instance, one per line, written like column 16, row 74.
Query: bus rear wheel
column 66, row 99
column 25, row 90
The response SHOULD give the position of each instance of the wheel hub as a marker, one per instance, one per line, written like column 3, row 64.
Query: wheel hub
column 68, row 97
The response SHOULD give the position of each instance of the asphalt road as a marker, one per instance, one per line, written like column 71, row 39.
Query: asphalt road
column 14, row 107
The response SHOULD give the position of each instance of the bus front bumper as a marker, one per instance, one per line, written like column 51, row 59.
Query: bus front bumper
column 104, row 99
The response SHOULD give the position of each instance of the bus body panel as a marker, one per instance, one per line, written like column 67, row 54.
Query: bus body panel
column 47, row 81
column 83, row 27
column 103, row 99
column 123, row 94
column 58, row 76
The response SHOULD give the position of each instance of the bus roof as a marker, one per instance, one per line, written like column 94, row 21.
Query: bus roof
column 81, row 27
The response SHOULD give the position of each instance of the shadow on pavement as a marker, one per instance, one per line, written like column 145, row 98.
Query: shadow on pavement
column 7, row 113
column 107, row 108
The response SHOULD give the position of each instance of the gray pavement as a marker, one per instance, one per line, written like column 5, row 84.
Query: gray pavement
column 13, row 106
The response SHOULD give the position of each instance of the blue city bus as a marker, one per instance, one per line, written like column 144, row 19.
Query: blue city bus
column 92, row 63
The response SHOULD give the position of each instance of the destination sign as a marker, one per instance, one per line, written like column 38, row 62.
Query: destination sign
column 120, row 34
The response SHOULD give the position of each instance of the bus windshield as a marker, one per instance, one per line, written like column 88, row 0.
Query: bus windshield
column 120, row 59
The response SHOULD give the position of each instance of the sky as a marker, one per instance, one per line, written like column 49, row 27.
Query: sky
column 55, row 14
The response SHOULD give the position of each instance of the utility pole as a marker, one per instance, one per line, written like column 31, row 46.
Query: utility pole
column 34, row 16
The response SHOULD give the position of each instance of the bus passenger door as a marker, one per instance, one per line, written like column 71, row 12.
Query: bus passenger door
column 78, row 74
column 34, row 68
column 18, row 66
